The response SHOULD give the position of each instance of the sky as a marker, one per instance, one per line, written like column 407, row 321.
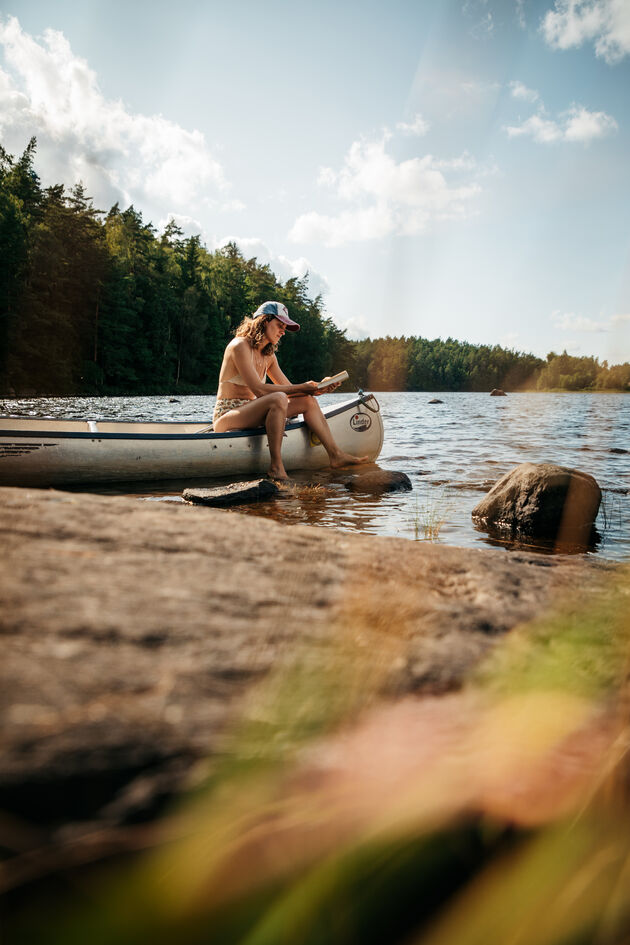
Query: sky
column 443, row 168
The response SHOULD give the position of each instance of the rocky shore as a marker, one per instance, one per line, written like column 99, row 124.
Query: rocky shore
column 133, row 631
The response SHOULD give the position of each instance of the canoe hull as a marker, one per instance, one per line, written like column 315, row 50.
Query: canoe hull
column 48, row 453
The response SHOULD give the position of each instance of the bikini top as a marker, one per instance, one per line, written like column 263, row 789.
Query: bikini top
column 237, row 379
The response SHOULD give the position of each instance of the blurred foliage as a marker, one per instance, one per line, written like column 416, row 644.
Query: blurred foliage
column 513, row 827
column 580, row 647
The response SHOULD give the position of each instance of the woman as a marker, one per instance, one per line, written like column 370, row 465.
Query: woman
column 244, row 400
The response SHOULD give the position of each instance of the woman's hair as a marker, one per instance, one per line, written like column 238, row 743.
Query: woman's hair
column 254, row 330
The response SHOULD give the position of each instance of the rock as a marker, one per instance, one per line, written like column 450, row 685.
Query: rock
column 542, row 500
column 617, row 449
column 436, row 400
column 174, row 400
column 236, row 493
column 379, row 481
column 133, row 634
column 497, row 392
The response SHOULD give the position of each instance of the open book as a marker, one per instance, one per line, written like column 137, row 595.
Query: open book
column 337, row 379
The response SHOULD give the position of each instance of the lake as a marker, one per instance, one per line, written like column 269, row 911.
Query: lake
column 453, row 452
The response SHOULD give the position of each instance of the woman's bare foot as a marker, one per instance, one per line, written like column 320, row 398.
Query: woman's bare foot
column 347, row 459
column 278, row 474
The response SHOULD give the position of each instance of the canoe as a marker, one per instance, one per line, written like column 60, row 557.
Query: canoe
column 43, row 452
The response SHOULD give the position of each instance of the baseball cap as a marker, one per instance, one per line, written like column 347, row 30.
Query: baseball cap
column 279, row 311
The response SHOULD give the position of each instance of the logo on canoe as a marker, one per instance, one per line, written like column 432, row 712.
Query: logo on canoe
column 360, row 422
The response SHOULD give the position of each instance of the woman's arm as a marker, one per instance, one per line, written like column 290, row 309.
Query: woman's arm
column 276, row 373
column 278, row 377
column 242, row 355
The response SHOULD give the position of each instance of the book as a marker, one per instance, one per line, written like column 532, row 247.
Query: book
column 337, row 379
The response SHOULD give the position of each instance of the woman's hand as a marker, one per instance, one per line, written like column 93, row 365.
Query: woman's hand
column 310, row 387
column 330, row 388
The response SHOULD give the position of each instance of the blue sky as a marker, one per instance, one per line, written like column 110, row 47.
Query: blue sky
column 440, row 168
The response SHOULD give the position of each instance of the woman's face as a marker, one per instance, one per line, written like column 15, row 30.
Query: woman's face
column 274, row 330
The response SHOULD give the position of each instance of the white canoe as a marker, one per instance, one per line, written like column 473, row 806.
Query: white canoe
column 36, row 452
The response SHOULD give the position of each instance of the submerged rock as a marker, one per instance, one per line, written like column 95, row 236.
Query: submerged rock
column 436, row 400
column 236, row 493
column 497, row 392
column 380, row 480
column 542, row 500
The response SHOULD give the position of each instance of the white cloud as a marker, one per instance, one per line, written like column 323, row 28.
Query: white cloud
column 520, row 14
column 52, row 93
column 576, row 124
column 520, row 91
column 574, row 22
column 350, row 225
column 478, row 10
column 326, row 177
column 539, row 128
column 475, row 90
column 585, row 126
column 485, row 26
column 416, row 128
column 569, row 321
column 385, row 197
column 464, row 162
column 617, row 327
column 283, row 267
column 510, row 340
column 190, row 226
column 354, row 327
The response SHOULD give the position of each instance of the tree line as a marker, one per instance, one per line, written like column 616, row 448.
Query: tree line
column 95, row 302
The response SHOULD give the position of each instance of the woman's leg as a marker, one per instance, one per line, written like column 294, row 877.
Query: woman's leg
column 316, row 421
column 270, row 410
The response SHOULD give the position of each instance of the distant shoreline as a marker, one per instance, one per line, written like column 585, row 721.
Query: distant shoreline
column 346, row 390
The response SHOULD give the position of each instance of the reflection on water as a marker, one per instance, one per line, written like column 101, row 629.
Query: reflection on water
column 452, row 452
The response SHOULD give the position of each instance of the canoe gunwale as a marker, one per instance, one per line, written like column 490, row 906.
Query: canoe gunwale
column 330, row 412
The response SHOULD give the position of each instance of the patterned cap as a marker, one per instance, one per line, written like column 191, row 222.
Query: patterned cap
column 279, row 311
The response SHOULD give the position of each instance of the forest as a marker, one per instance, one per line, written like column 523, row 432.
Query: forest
column 99, row 303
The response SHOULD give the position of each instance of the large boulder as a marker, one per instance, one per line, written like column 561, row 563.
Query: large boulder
column 541, row 500
column 497, row 392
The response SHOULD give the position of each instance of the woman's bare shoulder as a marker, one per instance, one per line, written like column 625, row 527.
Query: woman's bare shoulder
column 239, row 344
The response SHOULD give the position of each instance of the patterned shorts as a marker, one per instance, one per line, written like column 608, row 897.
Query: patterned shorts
column 224, row 404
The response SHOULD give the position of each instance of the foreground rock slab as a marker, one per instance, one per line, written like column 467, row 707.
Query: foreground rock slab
column 542, row 500
column 133, row 633
column 236, row 493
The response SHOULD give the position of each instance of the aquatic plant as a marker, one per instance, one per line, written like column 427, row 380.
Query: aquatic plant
column 430, row 516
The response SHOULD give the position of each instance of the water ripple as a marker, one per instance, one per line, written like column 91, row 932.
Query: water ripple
column 451, row 452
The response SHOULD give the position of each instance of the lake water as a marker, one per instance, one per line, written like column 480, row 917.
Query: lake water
column 453, row 452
